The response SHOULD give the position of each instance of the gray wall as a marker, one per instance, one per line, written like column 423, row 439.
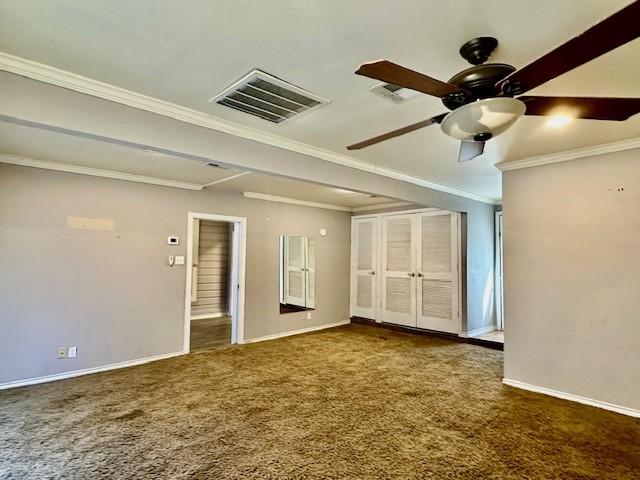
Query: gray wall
column 27, row 100
column 111, row 293
column 572, row 277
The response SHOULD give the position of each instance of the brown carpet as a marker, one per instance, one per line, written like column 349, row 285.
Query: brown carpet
column 346, row 403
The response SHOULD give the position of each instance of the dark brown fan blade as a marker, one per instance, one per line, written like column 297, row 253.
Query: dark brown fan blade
column 396, row 133
column 391, row 73
column 618, row 29
column 596, row 108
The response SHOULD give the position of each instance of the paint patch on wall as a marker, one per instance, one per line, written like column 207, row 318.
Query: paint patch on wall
column 85, row 223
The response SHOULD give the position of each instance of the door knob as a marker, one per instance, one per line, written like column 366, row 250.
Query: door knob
column 420, row 275
column 373, row 273
column 411, row 274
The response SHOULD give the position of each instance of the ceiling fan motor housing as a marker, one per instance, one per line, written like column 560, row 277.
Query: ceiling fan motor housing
column 480, row 80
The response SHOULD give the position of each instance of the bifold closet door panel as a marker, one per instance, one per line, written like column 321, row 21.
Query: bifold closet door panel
column 364, row 264
column 397, row 276
column 437, row 276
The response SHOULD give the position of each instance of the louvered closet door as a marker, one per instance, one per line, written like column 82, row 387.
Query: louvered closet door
column 397, row 279
column 437, row 289
column 295, row 285
column 364, row 262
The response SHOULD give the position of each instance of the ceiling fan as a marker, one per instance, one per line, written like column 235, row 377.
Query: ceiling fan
column 481, row 98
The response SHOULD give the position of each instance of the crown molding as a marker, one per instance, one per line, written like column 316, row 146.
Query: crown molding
column 95, row 172
column 226, row 179
column 380, row 206
column 294, row 201
column 568, row 155
column 71, row 81
column 131, row 177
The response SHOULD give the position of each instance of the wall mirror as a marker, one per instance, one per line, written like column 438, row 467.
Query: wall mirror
column 297, row 273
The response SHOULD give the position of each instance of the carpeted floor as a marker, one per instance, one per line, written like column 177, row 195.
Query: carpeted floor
column 347, row 403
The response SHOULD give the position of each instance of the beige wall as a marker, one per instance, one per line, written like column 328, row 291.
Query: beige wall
column 572, row 277
column 111, row 293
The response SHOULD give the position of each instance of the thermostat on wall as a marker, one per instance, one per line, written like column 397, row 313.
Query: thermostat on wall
column 172, row 241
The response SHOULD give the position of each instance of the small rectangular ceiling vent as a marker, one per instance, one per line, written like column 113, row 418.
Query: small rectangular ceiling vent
column 393, row 92
column 267, row 97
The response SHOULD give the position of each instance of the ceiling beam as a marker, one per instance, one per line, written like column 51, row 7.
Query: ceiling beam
column 95, row 172
column 294, row 201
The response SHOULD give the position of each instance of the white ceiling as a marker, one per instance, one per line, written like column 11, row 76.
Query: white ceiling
column 184, row 52
column 51, row 146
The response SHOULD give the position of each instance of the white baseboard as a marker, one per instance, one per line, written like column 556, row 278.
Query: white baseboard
column 296, row 332
column 478, row 331
column 574, row 398
column 86, row 371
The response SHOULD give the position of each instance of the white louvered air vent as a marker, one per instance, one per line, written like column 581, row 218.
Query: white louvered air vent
column 394, row 92
column 267, row 97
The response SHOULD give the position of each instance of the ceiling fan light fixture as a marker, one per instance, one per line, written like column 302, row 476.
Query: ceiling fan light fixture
column 560, row 120
column 489, row 116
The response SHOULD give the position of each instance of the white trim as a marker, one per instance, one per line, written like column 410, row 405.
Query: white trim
column 478, row 331
column 499, row 270
column 380, row 206
column 95, row 172
column 237, row 322
column 398, row 212
column 87, row 371
column 54, row 76
column 565, row 156
column 205, row 316
column 297, row 332
column 574, row 398
column 226, row 179
column 294, row 201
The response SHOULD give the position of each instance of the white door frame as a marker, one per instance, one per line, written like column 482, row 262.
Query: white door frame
column 238, row 264
column 499, row 277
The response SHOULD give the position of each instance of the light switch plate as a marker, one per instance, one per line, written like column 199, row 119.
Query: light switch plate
column 179, row 260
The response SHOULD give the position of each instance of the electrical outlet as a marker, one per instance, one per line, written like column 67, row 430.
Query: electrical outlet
column 308, row 315
column 62, row 352
column 72, row 352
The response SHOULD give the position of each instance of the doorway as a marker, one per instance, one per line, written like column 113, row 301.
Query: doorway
column 214, row 289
